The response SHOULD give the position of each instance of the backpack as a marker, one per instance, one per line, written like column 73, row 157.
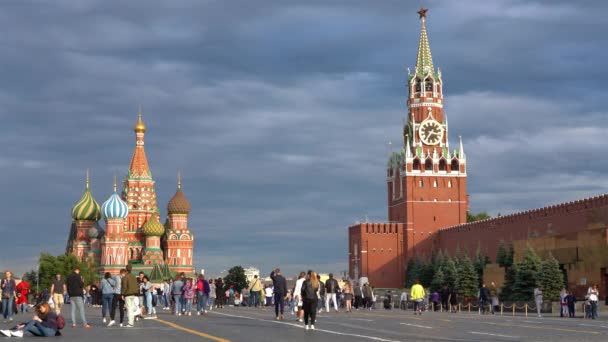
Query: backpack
column 60, row 322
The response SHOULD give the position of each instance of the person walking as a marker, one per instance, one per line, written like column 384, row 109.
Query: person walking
column 58, row 289
column 147, row 290
column 309, row 294
column 298, row 296
column 331, row 289
column 219, row 293
column 494, row 297
column 202, row 294
column 358, row 295
column 255, row 290
column 348, row 296
column 130, row 291
column 321, row 302
column 188, row 294
column 43, row 324
column 9, row 292
column 212, row 294
column 167, row 295
column 280, row 291
column 538, row 299
column 403, row 301
column 177, row 291
column 22, row 290
column 571, row 301
column 75, row 285
column 563, row 304
column 107, row 295
column 484, row 299
column 417, row 295
column 117, row 300
column 368, row 295
column 593, row 294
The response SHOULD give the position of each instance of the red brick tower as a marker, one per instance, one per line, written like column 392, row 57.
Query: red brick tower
column 139, row 194
column 179, row 239
column 426, row 182
column 114, row 243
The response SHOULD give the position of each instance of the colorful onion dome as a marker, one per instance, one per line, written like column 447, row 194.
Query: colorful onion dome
column 153, row 227
column 86, row 209
column 178, row 203
column 140, row 127
column 115, row 207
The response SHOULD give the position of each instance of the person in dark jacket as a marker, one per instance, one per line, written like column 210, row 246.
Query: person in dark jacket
column 75, row 285
column 309, row 293
column 331, row 289
column 571, row 302
column 129, row 289
column 43, row 324
column 484, row 298
column 280, row 291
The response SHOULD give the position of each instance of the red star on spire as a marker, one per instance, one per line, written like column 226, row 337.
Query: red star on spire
column 422, row 12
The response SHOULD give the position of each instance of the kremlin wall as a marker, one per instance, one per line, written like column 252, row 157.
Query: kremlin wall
column 428, row 201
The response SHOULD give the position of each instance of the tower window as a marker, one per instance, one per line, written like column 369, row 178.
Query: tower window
column 443, row 165
column 449, row 184
column 434, row 183
column 455, row 165
column 418, row 83
column 428, row 86
column 416, row 165
column 428, row 165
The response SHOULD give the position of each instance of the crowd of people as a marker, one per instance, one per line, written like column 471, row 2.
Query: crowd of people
column 137, row 298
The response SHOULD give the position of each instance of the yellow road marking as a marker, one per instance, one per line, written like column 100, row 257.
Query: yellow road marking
column 199, row 333
column 543, row 328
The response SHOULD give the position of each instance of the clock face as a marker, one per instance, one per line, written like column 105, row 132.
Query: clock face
column 430, row 132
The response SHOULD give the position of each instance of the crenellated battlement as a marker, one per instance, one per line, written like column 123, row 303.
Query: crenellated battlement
column 533, row 214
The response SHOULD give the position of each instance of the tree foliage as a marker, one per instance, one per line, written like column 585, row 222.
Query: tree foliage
column 551, row 278
column 527, row 276
column 63, row 264
column 468, row 282
column 413, row 271
column 479, row 264
column 236, row 276
column 450, row 273
column 477, row 217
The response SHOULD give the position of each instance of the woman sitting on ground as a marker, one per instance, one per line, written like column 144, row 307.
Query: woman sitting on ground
column 43, row 324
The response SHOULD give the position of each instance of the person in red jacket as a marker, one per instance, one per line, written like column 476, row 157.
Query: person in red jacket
column 23, row 290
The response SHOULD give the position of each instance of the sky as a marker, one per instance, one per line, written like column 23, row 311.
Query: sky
column 279, row 113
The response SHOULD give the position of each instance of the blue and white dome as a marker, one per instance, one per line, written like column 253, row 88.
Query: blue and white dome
column 115, row 207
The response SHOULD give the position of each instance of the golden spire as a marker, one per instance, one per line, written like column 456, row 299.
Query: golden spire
column 86, row 182
column 179, row 179
column 114, row 183
column 424, row 59
column 139, row 126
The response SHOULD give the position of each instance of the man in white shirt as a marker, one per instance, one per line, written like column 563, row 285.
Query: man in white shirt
column 297, row 293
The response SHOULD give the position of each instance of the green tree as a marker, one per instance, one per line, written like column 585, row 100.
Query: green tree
column 526, row 278
column 501, row 254
column 551, row 278
column 438, row 280
column 480, row 216
column 236, row 276
column 427, row 272
column 450, row 273
column 468, row 283
column 506, row 292
column 413, row 271
column 479, row 264
column 64, row 264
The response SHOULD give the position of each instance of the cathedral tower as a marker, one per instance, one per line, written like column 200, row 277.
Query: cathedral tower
column 85, row 214
column 139, row 194
column 179, row 239
column 114, row 243
column 426, row 181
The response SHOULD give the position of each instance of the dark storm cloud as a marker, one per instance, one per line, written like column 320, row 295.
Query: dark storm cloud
column 279, row 113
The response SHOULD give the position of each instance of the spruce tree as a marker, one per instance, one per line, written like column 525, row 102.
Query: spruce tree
column 527, row 276
column 450, row 273
column 468, row 283
column 506, row 292
column 412, row 271
column 480, row 265
column 551, row 278
column 438, row 280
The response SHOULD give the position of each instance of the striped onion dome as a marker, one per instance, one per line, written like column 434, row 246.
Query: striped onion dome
column 178, row 203
column 115, row 207
column 153, row 227
column 86, row 208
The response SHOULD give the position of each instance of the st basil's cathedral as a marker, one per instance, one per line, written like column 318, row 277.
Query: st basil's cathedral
column 133, row 232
